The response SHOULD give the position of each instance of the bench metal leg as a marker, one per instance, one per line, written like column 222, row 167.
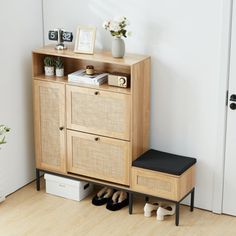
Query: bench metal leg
column 37, row 179
column 177, row 214
column 192, row 200
column 130, row 203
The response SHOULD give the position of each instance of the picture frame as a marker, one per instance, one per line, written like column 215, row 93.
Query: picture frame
column 85, row 39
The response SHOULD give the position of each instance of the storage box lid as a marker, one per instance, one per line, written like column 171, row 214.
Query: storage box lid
column 63, row 180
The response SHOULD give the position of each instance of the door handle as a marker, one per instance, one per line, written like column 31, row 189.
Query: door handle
column 233, row 98
column 232, row 106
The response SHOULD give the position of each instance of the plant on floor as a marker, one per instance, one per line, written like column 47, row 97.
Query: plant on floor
column 3, row 130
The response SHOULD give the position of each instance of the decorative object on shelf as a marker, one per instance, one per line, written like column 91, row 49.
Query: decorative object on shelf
column 117, row 28
column 3, row 130
column 49, row 66
column 61, row 36
column 85, row 39
column 81, row 76
column 59, row 67
column 119, row 79
column 89, row 69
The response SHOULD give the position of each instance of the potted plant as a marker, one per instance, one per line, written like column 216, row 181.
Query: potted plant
column 3, row 131
column 49, row 66
column 59, row 67
column 117, row 28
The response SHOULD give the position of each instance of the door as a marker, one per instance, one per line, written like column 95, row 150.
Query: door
column 49, row 123
column 99, row 112
column 229, row 193
column 98, row 157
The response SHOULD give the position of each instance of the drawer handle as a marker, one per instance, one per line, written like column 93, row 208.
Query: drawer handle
column 96, row 139
column 96, row 93
column 61, row 128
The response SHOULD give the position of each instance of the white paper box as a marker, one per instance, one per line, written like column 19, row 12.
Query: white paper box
column 67, row 188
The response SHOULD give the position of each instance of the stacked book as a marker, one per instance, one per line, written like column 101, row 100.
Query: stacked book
column 80, row 76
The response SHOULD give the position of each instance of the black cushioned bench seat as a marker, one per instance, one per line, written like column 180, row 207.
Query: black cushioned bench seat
column 164, row 162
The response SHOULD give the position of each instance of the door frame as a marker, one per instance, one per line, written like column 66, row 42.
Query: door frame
column 218, row 179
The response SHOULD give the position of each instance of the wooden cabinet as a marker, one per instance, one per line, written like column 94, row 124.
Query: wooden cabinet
column 49, row 114
column 87, row 131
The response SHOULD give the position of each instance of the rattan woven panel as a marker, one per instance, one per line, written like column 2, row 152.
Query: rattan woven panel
column 50, row 118
column 99, row 112
column 98, row 159
column 154, row 184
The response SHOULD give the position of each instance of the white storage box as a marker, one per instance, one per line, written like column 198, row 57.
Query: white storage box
column 67, row 188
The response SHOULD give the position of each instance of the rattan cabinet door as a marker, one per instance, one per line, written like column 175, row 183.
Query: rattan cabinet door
column 98, row 157
column 98, row 112
column 49, row 108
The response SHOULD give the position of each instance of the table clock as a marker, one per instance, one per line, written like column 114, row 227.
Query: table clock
column 61, row 36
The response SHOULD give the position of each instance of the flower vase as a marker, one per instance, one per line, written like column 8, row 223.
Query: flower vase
column 118, row 47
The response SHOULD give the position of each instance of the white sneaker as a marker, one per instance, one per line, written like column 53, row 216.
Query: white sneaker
column 164, row 210
column 149, row 207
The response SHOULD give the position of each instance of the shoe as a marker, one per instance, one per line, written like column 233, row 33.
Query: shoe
column 149, row 207
column 102, row 196
column 118, row 201
column 164, row 210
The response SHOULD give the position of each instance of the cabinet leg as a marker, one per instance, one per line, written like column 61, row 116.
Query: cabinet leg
column 177, row 214
column 192, row 200
column 37, row 179
column 130, row 203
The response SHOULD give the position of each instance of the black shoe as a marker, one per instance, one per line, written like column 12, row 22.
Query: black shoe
column 102, row 197
column 118, row 201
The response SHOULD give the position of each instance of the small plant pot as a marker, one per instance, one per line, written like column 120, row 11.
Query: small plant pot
column 49, row 70
column 59, row 72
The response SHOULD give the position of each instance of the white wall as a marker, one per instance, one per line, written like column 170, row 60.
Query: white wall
column 183, row 38
column 21, row 31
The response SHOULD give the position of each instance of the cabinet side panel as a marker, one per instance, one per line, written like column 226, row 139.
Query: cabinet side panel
column 37, row 65
column 140, row 85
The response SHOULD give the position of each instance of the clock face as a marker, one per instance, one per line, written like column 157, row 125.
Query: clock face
column 53, row 35
column 67, row 36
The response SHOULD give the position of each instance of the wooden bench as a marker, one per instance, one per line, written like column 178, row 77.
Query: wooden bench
column 165, row 176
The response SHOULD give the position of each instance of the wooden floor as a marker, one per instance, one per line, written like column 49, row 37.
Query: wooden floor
column 28, row 212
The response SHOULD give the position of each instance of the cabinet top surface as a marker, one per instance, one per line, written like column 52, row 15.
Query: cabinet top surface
column 100, row 56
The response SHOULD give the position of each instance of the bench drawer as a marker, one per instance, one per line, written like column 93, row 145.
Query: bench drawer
column 172, row 187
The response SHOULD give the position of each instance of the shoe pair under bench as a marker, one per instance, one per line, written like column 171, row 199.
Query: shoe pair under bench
column 162, row 209
column 114, row 200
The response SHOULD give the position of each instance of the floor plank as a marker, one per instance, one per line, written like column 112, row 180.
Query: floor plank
column 31, row 213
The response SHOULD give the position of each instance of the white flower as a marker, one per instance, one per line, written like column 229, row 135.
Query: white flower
column 117, row 27
column 114, row 26
column 120, row 19
column 105, row 24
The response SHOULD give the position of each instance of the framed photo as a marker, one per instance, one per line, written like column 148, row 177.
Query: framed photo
column 85, row 39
